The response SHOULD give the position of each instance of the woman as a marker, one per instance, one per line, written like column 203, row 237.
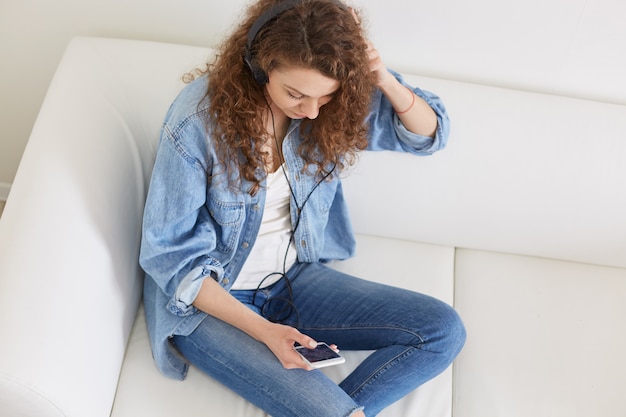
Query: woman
column 245, row 206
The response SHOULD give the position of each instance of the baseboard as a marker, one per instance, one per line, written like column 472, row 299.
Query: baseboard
column 4, row 191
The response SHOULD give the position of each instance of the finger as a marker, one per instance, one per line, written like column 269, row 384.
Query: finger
column 296, row 361
column 307, row 341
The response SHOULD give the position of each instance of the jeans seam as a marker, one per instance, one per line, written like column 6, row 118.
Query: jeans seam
column 382, row 368
column 422, row 341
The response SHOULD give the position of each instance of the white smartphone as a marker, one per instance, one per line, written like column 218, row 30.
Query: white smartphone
column 320, row 356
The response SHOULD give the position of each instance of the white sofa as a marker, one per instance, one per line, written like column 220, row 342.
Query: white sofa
column 520, row 222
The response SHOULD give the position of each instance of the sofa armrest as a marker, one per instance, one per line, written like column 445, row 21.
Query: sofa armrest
column 69, row 236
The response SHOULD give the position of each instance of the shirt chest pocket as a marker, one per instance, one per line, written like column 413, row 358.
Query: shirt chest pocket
column 227, row 220
column 326, row 196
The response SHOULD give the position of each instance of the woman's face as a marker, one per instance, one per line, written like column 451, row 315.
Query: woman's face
column 299, row 92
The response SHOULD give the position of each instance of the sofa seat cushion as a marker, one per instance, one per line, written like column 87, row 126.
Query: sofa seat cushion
column 143, row 391
column 546, row 337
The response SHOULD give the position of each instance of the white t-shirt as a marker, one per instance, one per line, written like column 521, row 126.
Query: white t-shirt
column 273, row 242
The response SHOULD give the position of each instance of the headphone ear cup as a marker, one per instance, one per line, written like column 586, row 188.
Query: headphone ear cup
column 260, row 76
column 257, row 73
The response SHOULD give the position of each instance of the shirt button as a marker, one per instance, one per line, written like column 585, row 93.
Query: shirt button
column 256, row 207
column 303, row 243
column 225, row 281
column 245, row 245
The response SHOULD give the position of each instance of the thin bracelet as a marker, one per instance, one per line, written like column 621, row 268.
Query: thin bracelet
column 412, row 102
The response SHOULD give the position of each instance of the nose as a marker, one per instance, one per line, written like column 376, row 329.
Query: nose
column 311, row 108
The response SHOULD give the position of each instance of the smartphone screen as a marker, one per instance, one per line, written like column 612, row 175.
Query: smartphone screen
column 321, row 356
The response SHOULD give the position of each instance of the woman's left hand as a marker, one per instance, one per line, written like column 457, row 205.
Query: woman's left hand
column 416, row 115
column 377, row 66
column 376, row 63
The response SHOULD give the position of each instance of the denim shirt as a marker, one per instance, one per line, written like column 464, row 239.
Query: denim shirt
column 197, row 226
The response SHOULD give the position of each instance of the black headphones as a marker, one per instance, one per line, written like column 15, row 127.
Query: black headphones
column 259, row 75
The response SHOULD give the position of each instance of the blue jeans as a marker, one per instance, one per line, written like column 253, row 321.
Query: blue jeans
column 414, row 338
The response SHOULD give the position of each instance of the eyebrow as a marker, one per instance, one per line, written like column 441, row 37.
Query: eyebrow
column 295, row 90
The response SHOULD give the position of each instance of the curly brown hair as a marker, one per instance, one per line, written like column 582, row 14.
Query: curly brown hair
column 315, row 34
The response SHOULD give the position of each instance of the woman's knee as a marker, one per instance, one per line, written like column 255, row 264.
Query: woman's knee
column 453, row 332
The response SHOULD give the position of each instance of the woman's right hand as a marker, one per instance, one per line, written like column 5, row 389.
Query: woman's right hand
column 280, row 339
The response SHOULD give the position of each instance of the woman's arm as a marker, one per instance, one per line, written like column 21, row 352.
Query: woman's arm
column 416, row 115
column 280, row 339
column 175, row 250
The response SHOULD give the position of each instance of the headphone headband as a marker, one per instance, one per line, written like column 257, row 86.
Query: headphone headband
column 271, row 13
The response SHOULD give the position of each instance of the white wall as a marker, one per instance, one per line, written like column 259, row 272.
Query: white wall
column 572, row 47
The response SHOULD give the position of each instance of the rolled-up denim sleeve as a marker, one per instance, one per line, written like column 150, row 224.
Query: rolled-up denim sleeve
column 388, row 133
column 181, row 304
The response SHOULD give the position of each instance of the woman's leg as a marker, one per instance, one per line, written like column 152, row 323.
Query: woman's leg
column 250, row 369
column 415, row 337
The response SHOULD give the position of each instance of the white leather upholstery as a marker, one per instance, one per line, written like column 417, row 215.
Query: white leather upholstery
column 70, row 231
column 524, row 173
column 519, row 223
column 547, row 337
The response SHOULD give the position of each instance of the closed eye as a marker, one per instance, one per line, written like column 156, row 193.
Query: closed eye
column 294, row 97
